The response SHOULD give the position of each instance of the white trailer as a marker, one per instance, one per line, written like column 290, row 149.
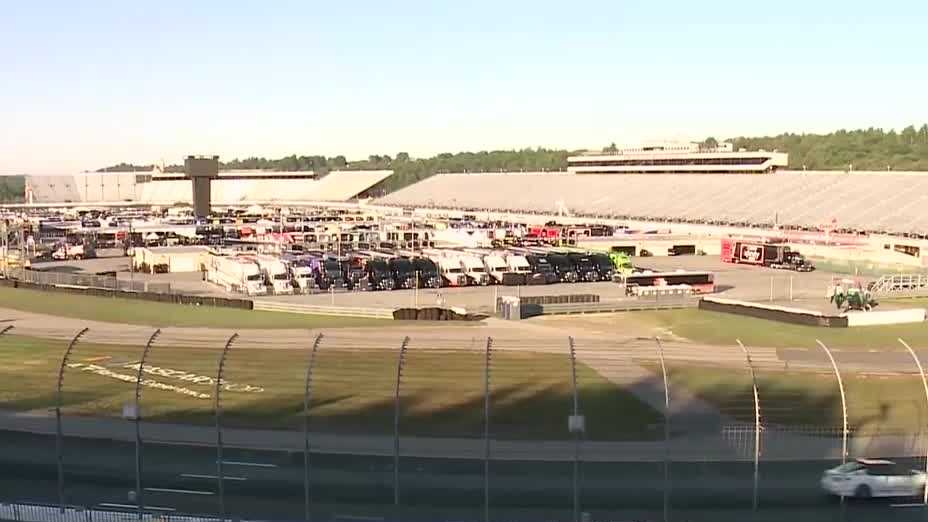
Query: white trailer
column 474, row 269
column 236, row 274
column 518, row 264
column 275, row 273
column 494, row 263
column 450, row 269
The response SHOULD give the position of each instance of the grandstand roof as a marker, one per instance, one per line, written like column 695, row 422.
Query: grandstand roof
column 886, row 202
column 127, row 187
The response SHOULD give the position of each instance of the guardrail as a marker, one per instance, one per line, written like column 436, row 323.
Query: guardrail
column 343, row 311
column 22, row 512
column 92, row 281
column 667, row 303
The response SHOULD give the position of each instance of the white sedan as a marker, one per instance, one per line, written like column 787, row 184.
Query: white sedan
column 866, row 478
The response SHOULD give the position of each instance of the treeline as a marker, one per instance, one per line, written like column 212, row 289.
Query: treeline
column 864, row 149
column 406, row 170
column 869, row 149
column 12, row 189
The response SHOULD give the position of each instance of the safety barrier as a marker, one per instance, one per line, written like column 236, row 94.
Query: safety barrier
column 22, row 512
column 343, row 311
column 92, row 281
column 628, row 305
column 196, row 300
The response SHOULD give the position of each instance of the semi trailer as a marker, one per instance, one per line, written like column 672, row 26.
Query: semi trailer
column 276, row 275
column 771, row 255
column 236, row 274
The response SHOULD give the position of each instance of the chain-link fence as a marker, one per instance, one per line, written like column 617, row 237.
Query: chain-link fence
column 408, row 418
column 92, row 281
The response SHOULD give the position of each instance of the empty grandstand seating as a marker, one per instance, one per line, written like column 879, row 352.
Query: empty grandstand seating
column 865, row 201
column 117, row 187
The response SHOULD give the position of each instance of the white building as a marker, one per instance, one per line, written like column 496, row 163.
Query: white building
column 674, row 158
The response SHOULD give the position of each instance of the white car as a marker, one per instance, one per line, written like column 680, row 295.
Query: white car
column 866, row 478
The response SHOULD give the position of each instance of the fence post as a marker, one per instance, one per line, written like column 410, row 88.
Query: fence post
column 217, row 405
column 307, row 400
column 487, row 359
column 575, row 427
column 59, row 435
column 747, row 357
column 921, row 371
column 138, row 419
column 660, row 354
column 400, row 363
column 834, row 366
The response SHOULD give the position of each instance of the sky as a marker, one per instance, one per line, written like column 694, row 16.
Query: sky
column 94, row 83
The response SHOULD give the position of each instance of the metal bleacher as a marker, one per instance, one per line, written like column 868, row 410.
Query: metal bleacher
column 885, row 202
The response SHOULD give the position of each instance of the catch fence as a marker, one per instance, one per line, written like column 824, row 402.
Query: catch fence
column 415, row 416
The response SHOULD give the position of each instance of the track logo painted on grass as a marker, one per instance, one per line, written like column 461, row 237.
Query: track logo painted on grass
column 164, row 372
column 192, row 378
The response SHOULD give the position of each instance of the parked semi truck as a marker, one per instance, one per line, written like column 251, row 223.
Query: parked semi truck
column 542, row 271
column 474, row 269
column 565, row 270
column 236, row 274
column 427, row 272
column 404, row 275
column 584, row 266
column 276, row 275
column 377, row 274
column 301, row 273
column 329, row 273
column 764, row 254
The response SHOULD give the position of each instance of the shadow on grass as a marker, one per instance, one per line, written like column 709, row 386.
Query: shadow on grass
column 514, row 414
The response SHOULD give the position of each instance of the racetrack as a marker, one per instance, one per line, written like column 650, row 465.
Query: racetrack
column 711, row 472
column 269, row 484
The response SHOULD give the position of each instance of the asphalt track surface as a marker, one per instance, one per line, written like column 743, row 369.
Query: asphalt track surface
column 269, row 485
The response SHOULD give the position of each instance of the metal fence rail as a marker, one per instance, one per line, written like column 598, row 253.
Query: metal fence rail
column 23, row 512
column 347, row 311
column 92, row 281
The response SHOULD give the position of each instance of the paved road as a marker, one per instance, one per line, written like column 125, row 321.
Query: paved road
column 269, row 484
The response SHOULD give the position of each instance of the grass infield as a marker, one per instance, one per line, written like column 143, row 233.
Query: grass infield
column 442, row 393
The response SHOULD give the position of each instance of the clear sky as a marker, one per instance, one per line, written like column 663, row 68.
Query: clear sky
column 87, row 84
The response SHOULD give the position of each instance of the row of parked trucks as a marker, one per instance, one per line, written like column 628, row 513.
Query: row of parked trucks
column 258, row 274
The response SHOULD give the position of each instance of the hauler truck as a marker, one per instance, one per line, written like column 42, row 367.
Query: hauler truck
column 236, row 274
column 449, row 267
column 301, row 273
column 276, row 275
column 764, row 254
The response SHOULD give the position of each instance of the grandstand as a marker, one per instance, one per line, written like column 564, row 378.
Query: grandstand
column 677, row 158
column 229, row 189
column 872, row 202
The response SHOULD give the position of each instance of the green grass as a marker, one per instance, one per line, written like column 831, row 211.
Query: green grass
column 721, row 329
column 887, row 404
column 352, row 392
column 132, row 311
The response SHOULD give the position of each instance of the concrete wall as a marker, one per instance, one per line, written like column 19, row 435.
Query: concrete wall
column 772, row 312
column 910, row 315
